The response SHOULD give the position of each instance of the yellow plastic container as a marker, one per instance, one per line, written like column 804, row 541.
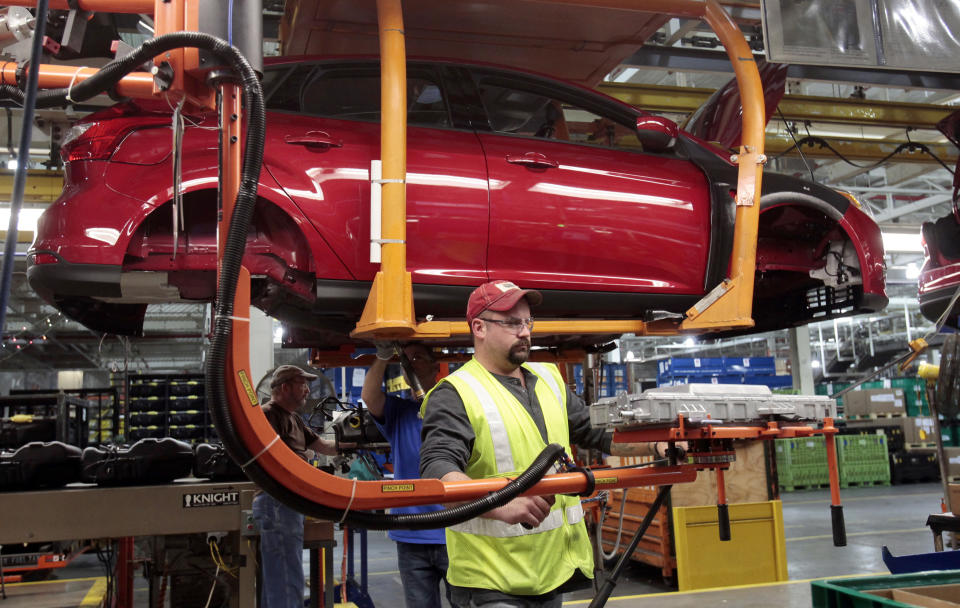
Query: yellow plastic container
column 755, row 553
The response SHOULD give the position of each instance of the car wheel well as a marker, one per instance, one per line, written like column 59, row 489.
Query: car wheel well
column 807, row 267
column 774, row 199
column 270, row 224
column 795, row 217
column 278, row 254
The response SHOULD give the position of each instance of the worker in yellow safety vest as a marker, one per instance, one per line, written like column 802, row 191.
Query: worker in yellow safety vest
column 491, row 418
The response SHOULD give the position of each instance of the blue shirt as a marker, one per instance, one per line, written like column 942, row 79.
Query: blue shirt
column 401, row 426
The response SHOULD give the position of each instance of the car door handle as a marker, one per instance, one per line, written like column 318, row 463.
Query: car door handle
column 533, row 160
column 314, row 138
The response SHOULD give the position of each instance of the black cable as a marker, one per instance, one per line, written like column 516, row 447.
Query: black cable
column 607, row 588
column 910, row 147
column 793, row 136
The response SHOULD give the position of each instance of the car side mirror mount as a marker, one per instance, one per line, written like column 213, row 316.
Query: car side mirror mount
column 657, row 134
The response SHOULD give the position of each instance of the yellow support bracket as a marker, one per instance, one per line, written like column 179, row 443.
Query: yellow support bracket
column 385, row 315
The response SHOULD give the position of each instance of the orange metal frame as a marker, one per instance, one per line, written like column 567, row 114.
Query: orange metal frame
column 389, row 311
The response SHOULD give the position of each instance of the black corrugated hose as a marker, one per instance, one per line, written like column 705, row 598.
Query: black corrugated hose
column 107, row 78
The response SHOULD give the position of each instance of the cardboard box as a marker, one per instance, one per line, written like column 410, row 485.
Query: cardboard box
column 953, row 490
column 933, row 596
column 918, row 429
column 952, row 456
column 874, row 401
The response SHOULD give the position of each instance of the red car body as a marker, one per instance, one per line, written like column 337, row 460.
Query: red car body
column 940, row 274
column 511, row 175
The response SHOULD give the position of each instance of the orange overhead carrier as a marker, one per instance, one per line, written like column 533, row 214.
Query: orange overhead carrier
column 389, row 311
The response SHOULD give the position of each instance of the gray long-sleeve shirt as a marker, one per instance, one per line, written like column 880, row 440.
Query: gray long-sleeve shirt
column 448, row 436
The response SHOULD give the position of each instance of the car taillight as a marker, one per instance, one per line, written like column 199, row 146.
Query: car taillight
column 856, row 203
column 98, row 140
column 45, row 258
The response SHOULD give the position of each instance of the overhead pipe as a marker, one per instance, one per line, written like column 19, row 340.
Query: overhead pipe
column 20, row 175
column 98, row 6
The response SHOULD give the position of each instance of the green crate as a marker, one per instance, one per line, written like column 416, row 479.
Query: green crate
column 801, row 462
column 852, row 593
column 863, row 460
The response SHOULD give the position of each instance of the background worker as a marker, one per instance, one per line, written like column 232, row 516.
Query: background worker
column 281, row 528
column 421, row 554
column 491, row 418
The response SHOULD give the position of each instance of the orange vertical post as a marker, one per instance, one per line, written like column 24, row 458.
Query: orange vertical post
column 836, row 509
column 389, row 307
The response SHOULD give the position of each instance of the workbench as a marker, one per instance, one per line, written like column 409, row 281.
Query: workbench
column 183, row 507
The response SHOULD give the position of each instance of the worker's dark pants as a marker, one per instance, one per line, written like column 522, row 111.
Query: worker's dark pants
column 462, row 597
column 422, row 568
column 281, row 553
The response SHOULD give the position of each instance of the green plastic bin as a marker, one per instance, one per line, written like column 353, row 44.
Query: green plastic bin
column 853, row 592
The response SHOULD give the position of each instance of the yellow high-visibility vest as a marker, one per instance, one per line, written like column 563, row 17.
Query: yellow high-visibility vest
column 490, row 554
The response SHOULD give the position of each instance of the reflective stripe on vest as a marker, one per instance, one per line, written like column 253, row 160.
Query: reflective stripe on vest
column 499, row 529
column 498, row 430
column 544, row 374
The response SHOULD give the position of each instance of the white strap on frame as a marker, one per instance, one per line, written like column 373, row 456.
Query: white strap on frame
column 376, row 207
column 376, row 210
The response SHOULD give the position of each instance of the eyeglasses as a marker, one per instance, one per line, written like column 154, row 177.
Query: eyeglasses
column 512, row 324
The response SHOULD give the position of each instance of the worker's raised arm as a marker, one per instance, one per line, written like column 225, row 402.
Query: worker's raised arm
column 372, row 391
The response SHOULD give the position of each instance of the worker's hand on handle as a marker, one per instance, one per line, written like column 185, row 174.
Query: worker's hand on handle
column 385, row 350
column 528, row 511
column 656, row 450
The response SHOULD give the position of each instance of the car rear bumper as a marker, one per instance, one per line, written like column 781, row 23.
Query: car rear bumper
column 873, row 302
column 71, row 280
column 87, row 293
column 936, row 288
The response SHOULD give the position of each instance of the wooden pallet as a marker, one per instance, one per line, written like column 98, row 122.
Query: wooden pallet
column 920, row 446
column 800, row 488
column 906, row 480
column 864, row 484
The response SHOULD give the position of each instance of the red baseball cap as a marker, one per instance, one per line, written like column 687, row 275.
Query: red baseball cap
column 499, row 296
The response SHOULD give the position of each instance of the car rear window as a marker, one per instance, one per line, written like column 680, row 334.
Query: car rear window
column 352, row 93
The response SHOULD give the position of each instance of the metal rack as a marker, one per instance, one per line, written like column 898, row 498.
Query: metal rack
column 51, row 416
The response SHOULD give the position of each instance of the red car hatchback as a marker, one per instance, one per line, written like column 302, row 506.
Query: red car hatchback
column 511, row 175
column 940, row 276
